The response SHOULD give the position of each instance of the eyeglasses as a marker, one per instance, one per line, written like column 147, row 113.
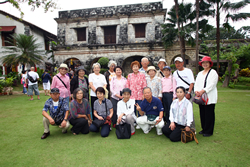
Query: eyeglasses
column 64, row 68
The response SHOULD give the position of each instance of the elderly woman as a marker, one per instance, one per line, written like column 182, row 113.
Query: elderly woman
column 103, row 110
column 154, row 82
column 207, row 115
column 80, row 81
column 181, row 116
column 116, row 85
column 79, row 113
column 110, row 74
column 161, row 63
column 125, row 110
column 136, row 82
column 96, row 80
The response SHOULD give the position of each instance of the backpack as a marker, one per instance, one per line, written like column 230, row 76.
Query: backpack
column 31, row 79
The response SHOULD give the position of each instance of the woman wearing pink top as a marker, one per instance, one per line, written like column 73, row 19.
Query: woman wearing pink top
column 136, row 82
column 117, row 84
column 62, row 82
column 168, row 91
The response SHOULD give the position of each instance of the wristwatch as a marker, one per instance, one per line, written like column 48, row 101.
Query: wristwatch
column 65, row 120
column 188, row 92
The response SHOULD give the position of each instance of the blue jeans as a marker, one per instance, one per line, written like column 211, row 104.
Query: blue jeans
column 139, row 102
column 24, row 88
column 104, row 131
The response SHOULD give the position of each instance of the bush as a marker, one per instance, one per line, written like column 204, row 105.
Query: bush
column 245, row 72
column 103, row 62
column 244, row 79
column 103, row 70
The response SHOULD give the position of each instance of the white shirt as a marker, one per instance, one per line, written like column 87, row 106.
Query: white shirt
column 34, row 75
column 211, row 88
column 55, row 104
column 126, row 108
column 186, row 75
column 98, row 81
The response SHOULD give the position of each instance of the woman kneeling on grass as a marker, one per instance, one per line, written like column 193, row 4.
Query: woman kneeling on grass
column 125, row 110
column 79, row 113
column 181, row 116
column 100, row 106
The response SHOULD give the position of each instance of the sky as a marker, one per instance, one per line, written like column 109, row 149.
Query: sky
column 47, row 22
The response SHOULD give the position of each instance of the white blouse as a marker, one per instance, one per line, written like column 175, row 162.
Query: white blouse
column 211, row 88
column 126, row 108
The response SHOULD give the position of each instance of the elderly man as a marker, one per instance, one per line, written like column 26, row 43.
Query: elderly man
column 32, row 78
column 144, row 68
column 58, row 113
column 151, row 112
column 184, row 77
column 161, row 63
column 62, row 82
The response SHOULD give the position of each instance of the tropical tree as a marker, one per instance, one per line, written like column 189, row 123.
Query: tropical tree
column 186, row 26
column 24, row 50
column 229, row 8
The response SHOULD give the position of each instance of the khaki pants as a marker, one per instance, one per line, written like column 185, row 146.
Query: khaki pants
column 46, row 125
column 145, row 124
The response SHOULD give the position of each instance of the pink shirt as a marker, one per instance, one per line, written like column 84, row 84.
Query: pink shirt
column 136, row 83
column 116, row 86
column 169, row 85
column 56, row 83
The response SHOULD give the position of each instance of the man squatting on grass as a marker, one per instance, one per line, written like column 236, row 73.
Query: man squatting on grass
column 57, row 106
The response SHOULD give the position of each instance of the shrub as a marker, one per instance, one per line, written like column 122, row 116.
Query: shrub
column 103, row 62
column 245, row 72
column 244, row 79
column 103, row 70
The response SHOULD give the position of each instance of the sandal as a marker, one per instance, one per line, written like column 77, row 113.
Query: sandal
column 31, row 99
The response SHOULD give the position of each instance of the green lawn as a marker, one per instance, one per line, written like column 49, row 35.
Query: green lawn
column 21, row 128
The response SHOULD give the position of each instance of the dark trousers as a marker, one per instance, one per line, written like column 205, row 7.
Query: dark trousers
column 207, row 117
column 114, row 117
column 137, row 112
column 174, row 135
column 167, row 99
column 93, row 99
column 79, row 125
column 105, row 128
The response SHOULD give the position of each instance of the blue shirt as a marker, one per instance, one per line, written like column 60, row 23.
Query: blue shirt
column 153, row 108
column 52, row 111
column 46, row 78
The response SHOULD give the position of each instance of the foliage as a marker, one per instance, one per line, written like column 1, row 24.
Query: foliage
column 103, row 62
column 2, row 84
column 24, row 50
column 53, row 44
column 245, row 72
column 243, row 54
column 40, row 73
column 103, row 70
column 46, row 4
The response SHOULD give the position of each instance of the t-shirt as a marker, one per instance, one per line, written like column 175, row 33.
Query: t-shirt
column 153, row 108
column 98, row 81
column 55, row 104
column 186, row 75
column 112, row 75
column 34, row 75
column 101, row 108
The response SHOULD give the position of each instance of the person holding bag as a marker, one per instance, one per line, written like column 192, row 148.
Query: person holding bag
column 103, row 111
column 207, row 114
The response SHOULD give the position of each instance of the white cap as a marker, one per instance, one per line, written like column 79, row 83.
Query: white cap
column 178, row 59
column 163, row 60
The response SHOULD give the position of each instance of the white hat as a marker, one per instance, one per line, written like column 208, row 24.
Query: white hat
column 151, row 68
column 64, row 66
column 163, row 60
column 178, row 59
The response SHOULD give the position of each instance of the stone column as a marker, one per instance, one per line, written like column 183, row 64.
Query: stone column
column 61, row 32
column 123, row 34
column 92, row 32
column 159, row 19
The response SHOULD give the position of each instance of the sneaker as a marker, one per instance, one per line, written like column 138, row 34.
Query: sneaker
column 148, row 130
column 132, row 134
column 159, row 134
column 138, row 127
column 110, row 129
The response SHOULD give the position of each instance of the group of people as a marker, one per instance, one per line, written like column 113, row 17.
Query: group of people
column 147, row 98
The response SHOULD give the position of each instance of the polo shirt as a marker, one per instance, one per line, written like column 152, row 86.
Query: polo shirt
column 153, row 108
column 101, row 109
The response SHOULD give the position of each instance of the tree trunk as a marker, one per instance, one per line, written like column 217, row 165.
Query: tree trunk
column 227, row 78
column 179, row 30
column 197, row 36
column 218, row 35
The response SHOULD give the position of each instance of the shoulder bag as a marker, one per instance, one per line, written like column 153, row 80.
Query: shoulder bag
column 203, row 99
column 98, row 123
column 31, row 78
column 187, row 136
column 123, row 131
column 61, row 81
column 59, row 118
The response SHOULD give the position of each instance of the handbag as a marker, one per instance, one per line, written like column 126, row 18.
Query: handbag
column 203, row 99
column 98, row 123
column 59, row 118
column 187, row 136
column 123, row 131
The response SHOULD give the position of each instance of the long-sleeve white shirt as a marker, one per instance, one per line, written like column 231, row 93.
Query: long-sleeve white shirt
column 211, row 88
column 126, row 108
column 181, row 112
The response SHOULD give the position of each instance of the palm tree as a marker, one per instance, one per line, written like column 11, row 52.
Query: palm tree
column 228, row 7
column 24, row 50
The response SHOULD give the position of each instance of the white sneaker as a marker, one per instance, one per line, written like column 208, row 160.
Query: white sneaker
column 110, row 129
column 138, row 127
column 148, row 130
column 159, row 134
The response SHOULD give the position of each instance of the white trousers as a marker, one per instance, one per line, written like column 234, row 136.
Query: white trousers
column 46, row 86
column 46, row 125
column 145, row 124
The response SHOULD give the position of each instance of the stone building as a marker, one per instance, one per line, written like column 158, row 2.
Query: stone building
column 122, row 33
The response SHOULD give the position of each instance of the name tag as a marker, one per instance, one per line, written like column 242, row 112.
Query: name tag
column 155, row 107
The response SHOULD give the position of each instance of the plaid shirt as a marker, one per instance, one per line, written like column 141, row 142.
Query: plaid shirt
column 49, row 106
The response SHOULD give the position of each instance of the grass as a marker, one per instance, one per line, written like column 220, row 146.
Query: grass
column 21, row 128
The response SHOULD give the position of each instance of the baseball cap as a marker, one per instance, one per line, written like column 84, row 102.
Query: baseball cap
column 55, row 90
column 178, row 59
column 167, row 67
